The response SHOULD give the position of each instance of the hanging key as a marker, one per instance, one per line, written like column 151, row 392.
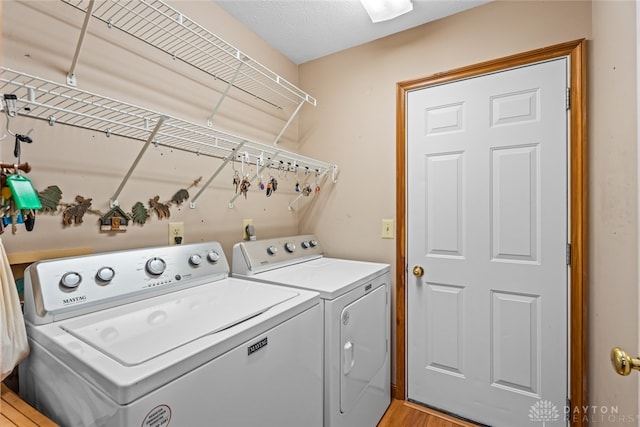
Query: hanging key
column 236, row 181
column 19, row 139
column 244, row 187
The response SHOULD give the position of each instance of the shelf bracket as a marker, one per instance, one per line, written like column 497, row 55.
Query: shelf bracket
column 224, row 95
column 71, row 76
column 294, row 201
column 275, row 141
column 192, row 203
column 114, row 199
column 318, row 178
column 262, row 168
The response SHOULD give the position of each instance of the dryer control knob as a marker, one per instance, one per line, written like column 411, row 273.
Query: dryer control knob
column 71, row 280
column 305, row 244
column 272, row 250
column 105, row 274
column 155, row 266
column 213, row 256
column 195, row 259
column 290, row 247
column 313, row 243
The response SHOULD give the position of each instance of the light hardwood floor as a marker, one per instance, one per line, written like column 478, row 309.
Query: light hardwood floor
column 16, row 412
column 407, row 414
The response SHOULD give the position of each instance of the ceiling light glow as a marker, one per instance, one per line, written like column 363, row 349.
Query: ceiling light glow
column 384, row 10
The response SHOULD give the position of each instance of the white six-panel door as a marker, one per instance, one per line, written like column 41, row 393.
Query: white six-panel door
column 487, row 222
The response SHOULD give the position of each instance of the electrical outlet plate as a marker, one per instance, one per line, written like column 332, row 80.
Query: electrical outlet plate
column 176, row 233
column 245, row 222
column 387, row 229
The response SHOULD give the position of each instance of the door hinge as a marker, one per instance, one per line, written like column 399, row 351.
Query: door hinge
column 568, row 410
column 568, row 253
column 568, row 98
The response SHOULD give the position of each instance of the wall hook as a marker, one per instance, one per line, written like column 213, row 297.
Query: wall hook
column 233, row 162
column 10, row 107
column 11, row 110
column 244, row 158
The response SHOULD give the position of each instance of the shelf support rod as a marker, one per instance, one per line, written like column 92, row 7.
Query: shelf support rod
column 114, row 199
column 224, row 95
column 294, row 200
column 71, row 76
column 265, row 166
column 318, row 177
column 275, row 141
column 226, row 160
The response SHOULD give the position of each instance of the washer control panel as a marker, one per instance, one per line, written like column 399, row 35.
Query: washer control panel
column 70, row 286
column 254, row 256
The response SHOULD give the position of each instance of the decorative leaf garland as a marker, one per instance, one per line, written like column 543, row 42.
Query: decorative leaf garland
column 73, row 213
column 139, row 214
column 50, row 198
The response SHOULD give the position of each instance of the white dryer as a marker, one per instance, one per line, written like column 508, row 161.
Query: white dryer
column 162, row 337
column 355, row 299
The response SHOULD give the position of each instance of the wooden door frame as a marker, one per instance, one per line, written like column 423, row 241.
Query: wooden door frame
column 575, row 51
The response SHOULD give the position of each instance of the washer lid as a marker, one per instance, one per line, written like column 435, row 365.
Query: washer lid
column 134, row 334
column 331, row 277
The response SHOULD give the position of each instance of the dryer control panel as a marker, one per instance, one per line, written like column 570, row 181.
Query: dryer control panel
column 254, row 256
column 66, row 287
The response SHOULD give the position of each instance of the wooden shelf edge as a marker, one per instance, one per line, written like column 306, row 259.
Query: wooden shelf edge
column 33, row 256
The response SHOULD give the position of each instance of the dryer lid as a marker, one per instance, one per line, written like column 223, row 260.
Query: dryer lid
column 138, row 332
column 331, row 277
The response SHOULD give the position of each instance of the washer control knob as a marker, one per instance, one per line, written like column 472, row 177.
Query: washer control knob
column 290, row 247
column 195, row 259
column 313, row 243
column 71, row 280
column 155, row 266
column 305, row 244
column 272, row 250
column 213, row 256
column 105, row 274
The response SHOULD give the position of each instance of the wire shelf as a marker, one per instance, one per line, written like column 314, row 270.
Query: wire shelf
column 56, row 103
column 158, row 24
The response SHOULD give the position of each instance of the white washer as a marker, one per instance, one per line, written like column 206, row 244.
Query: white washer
column 163, row 336
column 355, row 298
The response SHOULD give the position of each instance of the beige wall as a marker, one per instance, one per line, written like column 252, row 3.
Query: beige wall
column 354, row 126
column 614, row 192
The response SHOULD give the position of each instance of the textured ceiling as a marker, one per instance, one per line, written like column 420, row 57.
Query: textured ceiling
column 304, row 30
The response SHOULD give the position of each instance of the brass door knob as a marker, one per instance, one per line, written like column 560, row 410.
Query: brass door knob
column 622, row 363
column 418, row 271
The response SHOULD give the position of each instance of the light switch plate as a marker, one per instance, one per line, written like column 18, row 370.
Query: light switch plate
column 387, row 229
